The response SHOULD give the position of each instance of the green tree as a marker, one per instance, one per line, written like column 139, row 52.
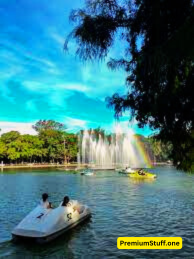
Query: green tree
column 11, row 143
column 162, row 151
column 59, row 145
column 71, row 147
column 52, row 135
column 48, row 125
column 10, row 136
column 51, row 144
column 3, row 150
column 160, row 70
column 31, row 148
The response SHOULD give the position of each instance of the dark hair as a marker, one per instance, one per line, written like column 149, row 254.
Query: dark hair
column 44, row 196
column 65, row 201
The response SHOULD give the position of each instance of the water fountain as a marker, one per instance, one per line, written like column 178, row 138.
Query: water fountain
column 112, row 151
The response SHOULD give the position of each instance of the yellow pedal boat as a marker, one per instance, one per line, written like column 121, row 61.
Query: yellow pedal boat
column 142, row 175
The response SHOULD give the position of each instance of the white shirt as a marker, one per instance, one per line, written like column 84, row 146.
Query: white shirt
column 44, row 204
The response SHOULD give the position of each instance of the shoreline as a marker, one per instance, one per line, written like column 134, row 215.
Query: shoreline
column 39, row 166
column 65, row 166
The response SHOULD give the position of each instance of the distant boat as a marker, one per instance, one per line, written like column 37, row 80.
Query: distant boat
column 142, row 174
column 87, row 172
column 127, row 170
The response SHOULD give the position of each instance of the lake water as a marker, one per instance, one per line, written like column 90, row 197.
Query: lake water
column 120, row 207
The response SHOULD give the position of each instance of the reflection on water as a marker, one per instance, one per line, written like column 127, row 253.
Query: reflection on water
column 121, row 206
column 142, row 181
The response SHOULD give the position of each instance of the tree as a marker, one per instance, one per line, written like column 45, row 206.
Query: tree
column 71, row 147
column 47, row 146
column 48, row 125
column 10, row 136
column 52, row 135
column 53, row 143
column 162, row 151
column 10, row 144
column 160, row 70
column 31, row 147
column 58, row 144
column 3, row 150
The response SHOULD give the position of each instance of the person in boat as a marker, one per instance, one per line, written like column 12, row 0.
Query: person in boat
column 44, row 202
column 141, row 172
column 73, row 204
column 65, row 202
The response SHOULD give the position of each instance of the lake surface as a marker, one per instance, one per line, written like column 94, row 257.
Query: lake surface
column 120, row 207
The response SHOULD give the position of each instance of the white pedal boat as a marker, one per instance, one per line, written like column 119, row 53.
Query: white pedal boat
column 43, row 225
column 87, row 173
column 127, row 171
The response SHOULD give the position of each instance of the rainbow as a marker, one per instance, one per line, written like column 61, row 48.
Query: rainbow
column 140, row 147
column 138, row 150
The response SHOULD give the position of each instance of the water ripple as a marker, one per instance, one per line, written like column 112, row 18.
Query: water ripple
column 121, row 207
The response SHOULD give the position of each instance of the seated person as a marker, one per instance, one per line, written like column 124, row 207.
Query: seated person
column 141, row 172
column 44, row 202
column 67, row 203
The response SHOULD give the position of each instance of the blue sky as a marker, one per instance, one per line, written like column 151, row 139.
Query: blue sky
column 40, row 81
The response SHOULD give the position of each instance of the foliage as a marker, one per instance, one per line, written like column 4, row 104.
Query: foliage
column 162, row 151
column 3, row 149
column 71, row 147
column 60, row 146
column 160, row 70
column 47, row 146
column 43, row 125
column 10, row 136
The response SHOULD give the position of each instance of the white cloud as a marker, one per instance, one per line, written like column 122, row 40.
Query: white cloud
column 34, row 86
column 44, row 61
column 58, row 38
column 73, row 86
column 101, row 81
column 57, row 99
column 48, row 87
column 74, row 124
column 22, row 127
column 86, row 73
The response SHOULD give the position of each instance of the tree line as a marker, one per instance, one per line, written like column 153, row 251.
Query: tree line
column 54, row 144
column 51, row 144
